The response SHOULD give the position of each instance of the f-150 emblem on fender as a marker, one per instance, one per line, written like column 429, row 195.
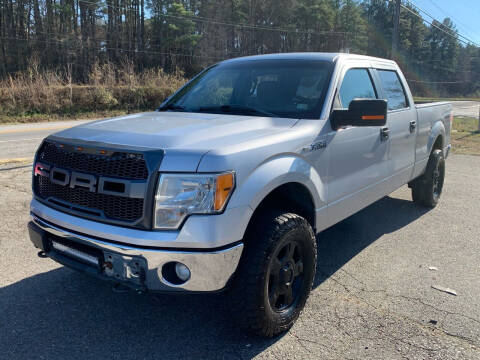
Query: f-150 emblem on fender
column 318, row 145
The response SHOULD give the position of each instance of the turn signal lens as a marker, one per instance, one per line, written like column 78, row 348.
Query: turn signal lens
column 223, row 188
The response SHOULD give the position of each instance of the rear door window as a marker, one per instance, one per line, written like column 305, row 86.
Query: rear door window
column 356, row 84
column 393, row 89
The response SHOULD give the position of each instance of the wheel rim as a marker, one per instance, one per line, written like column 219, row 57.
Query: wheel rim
column 285, row 276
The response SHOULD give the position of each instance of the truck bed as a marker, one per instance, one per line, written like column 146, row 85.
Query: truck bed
column 430, row 117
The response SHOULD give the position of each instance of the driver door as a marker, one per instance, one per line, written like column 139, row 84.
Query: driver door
column 358, row 156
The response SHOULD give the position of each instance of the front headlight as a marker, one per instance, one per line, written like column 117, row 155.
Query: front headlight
column 179, row 195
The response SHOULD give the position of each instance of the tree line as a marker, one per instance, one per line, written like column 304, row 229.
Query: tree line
column 72, row 36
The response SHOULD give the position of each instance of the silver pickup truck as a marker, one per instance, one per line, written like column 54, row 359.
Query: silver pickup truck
column 226, row 185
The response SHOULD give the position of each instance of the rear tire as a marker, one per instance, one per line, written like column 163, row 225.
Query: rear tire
column 426, row 189
column 275, row 274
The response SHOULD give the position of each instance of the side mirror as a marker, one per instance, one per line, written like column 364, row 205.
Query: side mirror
column 361, row 112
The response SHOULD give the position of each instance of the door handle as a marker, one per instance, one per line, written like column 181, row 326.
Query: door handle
column 413, row 126
column 384, row 133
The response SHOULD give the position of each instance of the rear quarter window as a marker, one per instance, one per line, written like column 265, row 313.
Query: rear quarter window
column 394, row 92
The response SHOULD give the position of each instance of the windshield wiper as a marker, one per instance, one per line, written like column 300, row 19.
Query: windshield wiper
column 172, row 107
column 237, row 109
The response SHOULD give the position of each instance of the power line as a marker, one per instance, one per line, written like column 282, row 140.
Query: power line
column 454, row 35
column 117, row 49
column 68, row 38
column 468, row 28
column 432, row 24
column 243, row 25
column 436, row 67
column 73, row 37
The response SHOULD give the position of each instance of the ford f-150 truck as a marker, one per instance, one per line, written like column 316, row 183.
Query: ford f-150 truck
column 226, row 185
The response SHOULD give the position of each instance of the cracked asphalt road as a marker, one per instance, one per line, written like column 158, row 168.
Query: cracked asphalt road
column 372, row 299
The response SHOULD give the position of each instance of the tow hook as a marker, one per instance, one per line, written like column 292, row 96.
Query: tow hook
column 42, row 254
column 120, row 288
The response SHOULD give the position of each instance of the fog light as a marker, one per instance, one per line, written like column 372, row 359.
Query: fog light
column 182, row 271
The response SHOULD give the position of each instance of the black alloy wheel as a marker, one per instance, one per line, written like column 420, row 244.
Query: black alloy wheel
column 285, row 276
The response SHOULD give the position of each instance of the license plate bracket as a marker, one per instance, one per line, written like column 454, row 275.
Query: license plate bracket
column 125, row 268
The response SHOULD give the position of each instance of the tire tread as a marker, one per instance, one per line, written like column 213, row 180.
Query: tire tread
column 422, row 187
column 263, row 235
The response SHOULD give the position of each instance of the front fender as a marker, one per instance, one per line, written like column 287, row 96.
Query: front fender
column 274, row 173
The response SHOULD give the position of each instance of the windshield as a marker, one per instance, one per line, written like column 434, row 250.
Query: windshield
column 276, row 88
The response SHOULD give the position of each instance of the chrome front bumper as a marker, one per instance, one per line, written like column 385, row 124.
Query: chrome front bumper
column 138, row 267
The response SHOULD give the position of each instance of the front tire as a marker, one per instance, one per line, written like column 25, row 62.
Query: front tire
column 275, row 274
column 426, row 190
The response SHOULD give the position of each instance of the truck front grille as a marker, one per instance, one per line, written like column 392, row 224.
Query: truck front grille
column 118, row 164
column 83, row 201
column 80, row 200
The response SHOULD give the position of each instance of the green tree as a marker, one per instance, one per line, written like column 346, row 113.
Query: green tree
column 352, row 22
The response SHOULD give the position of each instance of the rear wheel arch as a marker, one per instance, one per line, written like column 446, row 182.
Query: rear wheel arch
column 438, row 143
column 437, row 138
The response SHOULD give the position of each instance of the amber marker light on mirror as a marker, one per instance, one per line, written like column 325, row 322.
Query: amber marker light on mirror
column 373, row 117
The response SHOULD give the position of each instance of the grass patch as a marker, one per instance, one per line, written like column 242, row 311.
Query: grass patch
column 465, row 136
column 35, row 95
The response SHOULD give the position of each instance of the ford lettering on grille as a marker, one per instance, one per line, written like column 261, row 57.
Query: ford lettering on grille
column 92, row 183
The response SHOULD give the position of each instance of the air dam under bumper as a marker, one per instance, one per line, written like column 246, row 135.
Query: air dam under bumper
column 140, row 268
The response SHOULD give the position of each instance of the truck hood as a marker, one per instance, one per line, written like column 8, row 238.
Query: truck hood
column 176, row 130
column 184, row 137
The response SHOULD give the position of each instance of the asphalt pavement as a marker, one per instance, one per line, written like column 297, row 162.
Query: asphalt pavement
column 373, row 296
column 466, row 108
column 19, row 142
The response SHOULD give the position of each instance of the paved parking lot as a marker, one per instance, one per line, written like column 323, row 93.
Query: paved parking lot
column 373, row 295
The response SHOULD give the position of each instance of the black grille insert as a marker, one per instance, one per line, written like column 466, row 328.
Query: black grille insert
column 118, row 164
column 114, row 207
column 121, row 165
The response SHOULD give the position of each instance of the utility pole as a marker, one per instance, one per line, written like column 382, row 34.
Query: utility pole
column 396, row 28
column 478, row 120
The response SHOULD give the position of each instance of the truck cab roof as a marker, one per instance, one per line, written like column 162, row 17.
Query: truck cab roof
column 321, row 56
